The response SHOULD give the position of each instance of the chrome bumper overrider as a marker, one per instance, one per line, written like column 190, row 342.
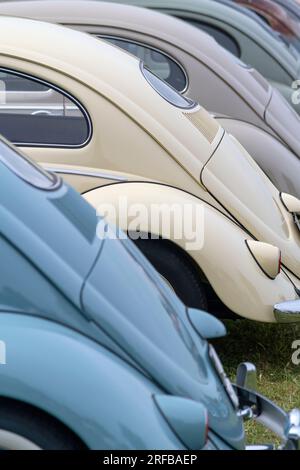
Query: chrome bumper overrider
column 287, row 312
column 285, row 425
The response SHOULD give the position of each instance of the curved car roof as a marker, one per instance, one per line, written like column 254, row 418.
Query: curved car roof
column 36, row 218
column 106, row 70
column 282, row 20
column 291, row 6
column 67, row 50
column 192, row 40
column 247, row 12
column 249, row 26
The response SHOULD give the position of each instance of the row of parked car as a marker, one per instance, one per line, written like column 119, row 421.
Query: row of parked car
column 105, row 337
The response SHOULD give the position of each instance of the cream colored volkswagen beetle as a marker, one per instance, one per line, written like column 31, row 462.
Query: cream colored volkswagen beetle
column 191, row 61
column 112, row 129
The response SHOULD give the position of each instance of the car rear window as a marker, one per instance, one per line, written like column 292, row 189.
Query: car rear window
column 160, row 63
column 166, row 91
column 26, row 169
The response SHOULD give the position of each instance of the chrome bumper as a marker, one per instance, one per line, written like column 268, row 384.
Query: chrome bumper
column 287, row 312
column 285, row 425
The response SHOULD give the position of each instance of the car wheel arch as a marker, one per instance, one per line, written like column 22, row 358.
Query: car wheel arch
column 222, row 259
column 51, row 367
column 212, row 301
column 10, row 402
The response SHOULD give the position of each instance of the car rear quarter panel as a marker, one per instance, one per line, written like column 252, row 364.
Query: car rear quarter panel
column 223, row 257
column 78, row 382
column 274, row 158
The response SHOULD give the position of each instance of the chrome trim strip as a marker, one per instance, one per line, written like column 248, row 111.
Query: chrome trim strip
column 8, row 107
column 94, row 174
column 293, row 433
column 216, row 362
column 261, row 447
column 287, row 312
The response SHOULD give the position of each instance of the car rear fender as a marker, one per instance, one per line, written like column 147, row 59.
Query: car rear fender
column 77, row 381
column 211, row 239
column 278, row 162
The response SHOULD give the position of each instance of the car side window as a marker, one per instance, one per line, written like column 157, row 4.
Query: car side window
column 222, row 37
column 157, row 62
column 35, row 113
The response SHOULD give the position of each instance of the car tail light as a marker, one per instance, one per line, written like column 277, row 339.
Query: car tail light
column 267, row 256
column 291, row 203
column 188, row 419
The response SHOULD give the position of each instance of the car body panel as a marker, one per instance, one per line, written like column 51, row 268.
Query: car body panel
column 65, row 271
column 276, row 16
column 92, row 327
column 257, row 44
column 179, row 364
column 266, row 224
column 273, row 157
column 291, row 6
column 156, row 141
column 258, row 293
column 243, row 93
column 284, row 119
column 126, row 22
column 244, row 29
column 100, row 419
column 57, row 360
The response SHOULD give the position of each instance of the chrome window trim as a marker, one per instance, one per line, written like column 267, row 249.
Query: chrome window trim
column 55, row 181
column 67, row 95
column 193, row 104
column 94, row 174
column 51, row 107
column 47, row 92
column 155, row 49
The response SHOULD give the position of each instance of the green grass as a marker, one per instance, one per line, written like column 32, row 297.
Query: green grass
column 269, row 347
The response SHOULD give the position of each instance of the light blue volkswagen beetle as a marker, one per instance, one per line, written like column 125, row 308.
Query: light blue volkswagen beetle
column 96, row 351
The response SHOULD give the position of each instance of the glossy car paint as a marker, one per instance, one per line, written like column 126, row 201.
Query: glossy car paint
column 214, row 78
column 71, row 341
column 276, row 17
column 259, row 46
column 291, row 6
column 157, row 158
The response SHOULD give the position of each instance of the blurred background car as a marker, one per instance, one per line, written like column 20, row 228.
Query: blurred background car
column 135, row 137
column 252, row 41
column 291, row 6
column 243, row 101
column 102, row 354
column 276, row 17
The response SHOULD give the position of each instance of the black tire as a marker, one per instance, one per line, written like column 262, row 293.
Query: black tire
column 24, row 421
column 175, row 266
